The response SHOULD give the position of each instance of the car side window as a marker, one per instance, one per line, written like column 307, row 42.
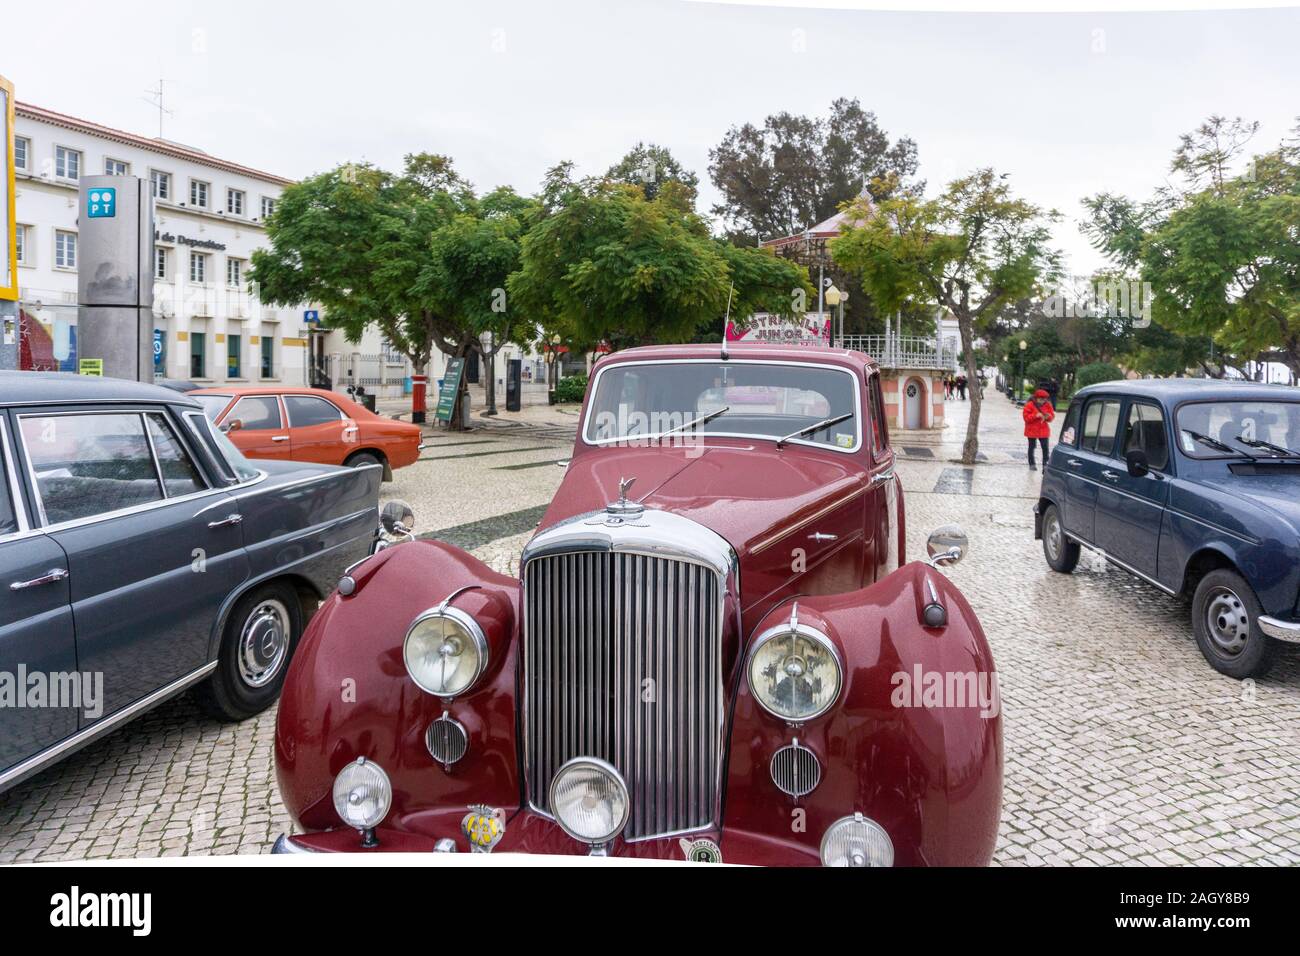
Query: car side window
column 179, row 473
column 8, row 508
column 1145, row 431
column 257, row 413
column 1070, row 426
column 307, row 410
column 877, row 407
column 1100, row 423
column 91, row 464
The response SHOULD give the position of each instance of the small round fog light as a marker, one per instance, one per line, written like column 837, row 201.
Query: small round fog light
column 362, row 794
column 857, row 841
column 589, row 800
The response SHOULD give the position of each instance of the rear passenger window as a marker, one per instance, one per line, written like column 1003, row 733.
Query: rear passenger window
column 256, row 413
column 1145, row 431
column 90, row 464
column 878, row 428
column 1070, row 427
column 179, row 473
column 305, row 410
column 1100, row 423
column 8, row 512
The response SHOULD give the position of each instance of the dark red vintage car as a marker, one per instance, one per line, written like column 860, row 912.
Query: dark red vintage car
column 713, row 650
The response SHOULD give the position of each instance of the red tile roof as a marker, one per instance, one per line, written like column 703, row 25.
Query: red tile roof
column 144, row 142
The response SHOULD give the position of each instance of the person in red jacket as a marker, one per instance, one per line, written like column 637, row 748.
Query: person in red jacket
column 1038, row 412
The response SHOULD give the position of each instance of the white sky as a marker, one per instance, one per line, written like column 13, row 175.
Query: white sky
column 1069, row 104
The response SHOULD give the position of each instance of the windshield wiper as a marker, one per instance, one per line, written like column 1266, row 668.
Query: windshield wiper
column 824, row 423
column 702, row 420
column 1215, row 443
column 1255, row 443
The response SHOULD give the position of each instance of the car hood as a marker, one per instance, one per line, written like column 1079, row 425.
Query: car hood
column 1279, row 494
column 743, row 493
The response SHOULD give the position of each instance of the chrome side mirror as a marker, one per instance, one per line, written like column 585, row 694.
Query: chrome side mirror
column 233, row 425
column 946, row 545
column 398, row 519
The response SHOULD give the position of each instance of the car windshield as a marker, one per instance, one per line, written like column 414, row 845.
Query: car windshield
column 1237, row 429
column 744, row 399
column 212, row 404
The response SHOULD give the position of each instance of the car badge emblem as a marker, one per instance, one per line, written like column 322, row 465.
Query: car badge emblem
column 484, row 827
column 622, row 512
column 701, row 851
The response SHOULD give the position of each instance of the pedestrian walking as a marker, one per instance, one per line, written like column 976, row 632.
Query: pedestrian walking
column 1038, row 413
column 961, row 387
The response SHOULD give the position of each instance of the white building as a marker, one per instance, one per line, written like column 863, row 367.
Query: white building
column 209, row 217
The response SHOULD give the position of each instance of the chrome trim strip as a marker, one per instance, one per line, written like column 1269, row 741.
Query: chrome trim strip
column 286, row 844
column 78, row 740
column 1288, row 631
column 767, row 542
column 857, row 399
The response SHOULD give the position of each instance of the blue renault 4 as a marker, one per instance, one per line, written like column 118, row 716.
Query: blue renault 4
column 1194, row 486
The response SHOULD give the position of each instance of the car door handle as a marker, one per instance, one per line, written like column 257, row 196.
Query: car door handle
column 1108, row 474
column 279, row 438
column 1074, row 463
column 228, row 520
column 49, row 577
column 819, row 536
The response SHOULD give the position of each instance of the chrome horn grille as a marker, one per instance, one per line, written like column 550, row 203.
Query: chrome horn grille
column 623, row 661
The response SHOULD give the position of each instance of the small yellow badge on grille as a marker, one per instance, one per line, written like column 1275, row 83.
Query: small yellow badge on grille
column 484, row 827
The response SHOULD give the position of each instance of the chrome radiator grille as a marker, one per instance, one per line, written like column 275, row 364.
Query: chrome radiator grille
column 622, row 661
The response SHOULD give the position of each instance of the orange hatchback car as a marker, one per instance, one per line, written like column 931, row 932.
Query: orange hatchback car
column 308, row 424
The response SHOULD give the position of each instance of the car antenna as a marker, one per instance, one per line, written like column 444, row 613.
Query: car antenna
column 726, row 320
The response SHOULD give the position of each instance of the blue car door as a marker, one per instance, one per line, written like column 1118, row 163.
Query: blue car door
column 1084, row 464
column 37, row 649
column 1130, row 509
column 153, row 547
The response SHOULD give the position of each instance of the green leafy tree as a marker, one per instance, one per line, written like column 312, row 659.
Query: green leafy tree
column 1221, row 255
column 648, row 167
column 972, row 250
column 795, row 171
column 606, row 264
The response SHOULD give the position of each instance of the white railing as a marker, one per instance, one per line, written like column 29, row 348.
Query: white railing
column 902, row 351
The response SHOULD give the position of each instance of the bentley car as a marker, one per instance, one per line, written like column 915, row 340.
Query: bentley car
column 1193, row 485
column 714, row 650
column 141, row 555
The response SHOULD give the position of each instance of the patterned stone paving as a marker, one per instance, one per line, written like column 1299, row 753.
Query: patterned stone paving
column 1122, row 745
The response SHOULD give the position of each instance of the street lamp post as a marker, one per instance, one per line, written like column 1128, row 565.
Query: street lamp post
column 1020, row 382
column 553, row 360
column 834, row 298
column 489, row 356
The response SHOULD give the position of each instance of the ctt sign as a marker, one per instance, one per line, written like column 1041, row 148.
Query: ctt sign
column 101, row 203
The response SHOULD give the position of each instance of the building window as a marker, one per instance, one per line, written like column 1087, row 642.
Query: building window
column 22, row 149
column 268, row 207
column 67, row 163
column 160, row 258
column 198, row 355
column 198, row 193
column 235, row 202
column 268, row 355
column 234, row 272
column 233, row 350
column 161, row 183
column 22, row 244
column 65, row 249
column 116, row 167
column 198, row 267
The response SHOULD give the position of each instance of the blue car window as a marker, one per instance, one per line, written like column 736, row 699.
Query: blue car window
column 89, row 464
column 8, row 516
column 1145, row 431
column 179, row 473
column 1100, row 425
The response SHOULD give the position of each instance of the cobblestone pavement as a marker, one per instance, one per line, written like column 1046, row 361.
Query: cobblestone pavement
column 1122, row 745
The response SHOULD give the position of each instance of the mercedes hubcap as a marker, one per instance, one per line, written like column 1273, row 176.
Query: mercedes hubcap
column 1227, row 621
column 264, row 643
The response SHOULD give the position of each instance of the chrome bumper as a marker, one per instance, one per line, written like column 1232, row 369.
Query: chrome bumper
column 1288, row 631
column 286, row 844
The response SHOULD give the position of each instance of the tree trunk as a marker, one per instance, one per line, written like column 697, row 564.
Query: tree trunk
column 971, row 446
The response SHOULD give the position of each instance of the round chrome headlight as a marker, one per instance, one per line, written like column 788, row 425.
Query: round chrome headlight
column 857, row 841
column 445, row 651
column 362, row 794
column 589, row 800
column 794, row 672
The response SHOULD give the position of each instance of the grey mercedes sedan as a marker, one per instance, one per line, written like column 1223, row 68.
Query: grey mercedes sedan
column 141, row 554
